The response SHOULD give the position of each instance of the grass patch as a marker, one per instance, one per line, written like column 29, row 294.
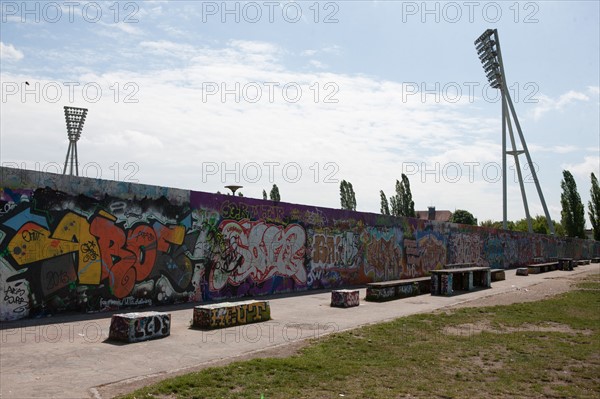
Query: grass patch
column 549, row 348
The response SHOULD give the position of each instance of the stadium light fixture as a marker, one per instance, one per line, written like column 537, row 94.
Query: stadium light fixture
column 75, row 118
column 490, row 55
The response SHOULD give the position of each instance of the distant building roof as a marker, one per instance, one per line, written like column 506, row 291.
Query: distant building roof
column 433, row 214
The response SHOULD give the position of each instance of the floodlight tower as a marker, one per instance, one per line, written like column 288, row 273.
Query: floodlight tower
column 75, row 117
column 488, row 48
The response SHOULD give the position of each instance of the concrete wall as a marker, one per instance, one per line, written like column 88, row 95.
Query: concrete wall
column 87, row 245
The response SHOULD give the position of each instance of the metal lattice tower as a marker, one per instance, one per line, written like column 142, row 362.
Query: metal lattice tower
column 75, row 118
column 488, row 48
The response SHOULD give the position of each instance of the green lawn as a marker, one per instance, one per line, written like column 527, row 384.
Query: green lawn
column 548, row 349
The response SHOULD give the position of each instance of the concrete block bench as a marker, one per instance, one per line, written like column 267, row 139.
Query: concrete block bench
column 136, row 327
column 498, row 274
column 229, row 314
column 565, row 264
column 448, row 281
column 459, row 265
column 522, row 271
column 395, row 289
column 582, row 262
column 542, row 267
column 345, row 298
column 595, row 260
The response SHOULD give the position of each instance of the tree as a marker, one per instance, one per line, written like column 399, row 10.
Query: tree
column 463, row 217
column 559, row 230
column 385, row 209
column 491, row 224
column 347, row 196
column 402, row 203
column 240, row 194
column 264, row 195
column 394, row 208
column 573, row 213
column 594, row 207
column 406, row 203
column 538, row 224
column 274, row 194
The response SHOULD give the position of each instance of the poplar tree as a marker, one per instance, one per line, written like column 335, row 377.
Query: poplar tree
column 385, row 208
column 573, row 213
column 274, row 194
column 594, row 207
column 347, row 196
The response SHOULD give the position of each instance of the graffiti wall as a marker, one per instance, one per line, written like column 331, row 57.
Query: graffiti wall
column 87, row 245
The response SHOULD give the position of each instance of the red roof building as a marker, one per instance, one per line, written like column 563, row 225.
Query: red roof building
column 432, row 214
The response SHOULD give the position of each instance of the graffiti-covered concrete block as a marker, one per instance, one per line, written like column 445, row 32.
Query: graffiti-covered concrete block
column 448, row 281
column 535, row 269
column 228, row 314
column 565, row 264
column 446, row 284
column 380, row 293
column 522, row 271
column 136, row 327
column 497, row 274
column 387, row 290
column 406, row 290
column 344, row 298
column 435, row 283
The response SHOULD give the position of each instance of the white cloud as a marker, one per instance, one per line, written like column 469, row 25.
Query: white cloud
column 166, row 47
column 317, row 64
column 10, row 53
column 118, row 30
column 555, row 149
column 254, row 46
column 547, row 104
column 308, row 53
column 594, row 90
column 343, row 126
column 590, row 163
column 335, row 50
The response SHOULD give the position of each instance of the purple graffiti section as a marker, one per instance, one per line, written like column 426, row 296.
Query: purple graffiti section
column 87, row 245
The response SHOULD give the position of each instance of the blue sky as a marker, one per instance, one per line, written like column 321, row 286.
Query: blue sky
column 355, row 90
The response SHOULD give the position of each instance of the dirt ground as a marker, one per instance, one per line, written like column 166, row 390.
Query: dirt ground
column 548, row 287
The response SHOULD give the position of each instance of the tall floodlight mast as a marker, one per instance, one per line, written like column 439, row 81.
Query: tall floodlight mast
column 488, row 48
column 75, row 117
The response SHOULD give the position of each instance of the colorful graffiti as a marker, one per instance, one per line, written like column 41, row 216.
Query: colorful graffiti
column 87, row 245
column 87, row 258
column 345, row 298
column 467, row 248
column 432, row 250
column 222, row 315
column 384, row 254
column 335, row 250
column 104, row 251
column 136, row 327
column 259, row 250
